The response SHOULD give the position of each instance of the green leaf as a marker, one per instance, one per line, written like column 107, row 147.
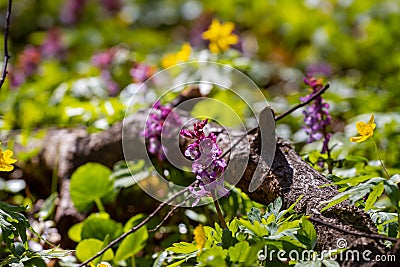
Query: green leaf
column 99, row 228
column 89, row 182
column 373, row 196
column 354, row 180
column 13, row 224
column 89, row 247
column 227, row 239
column 335, row 200
column 132, row 244
column 183, row 248
column 238, row 253
column 392, row 192
column 254, row 215
column 307, row 228
column 74, row 233
column 178, row 263
column 214, row 256
column 48, row 206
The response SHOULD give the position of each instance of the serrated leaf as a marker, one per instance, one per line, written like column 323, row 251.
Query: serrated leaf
column 238, row 253
column 227, row 239
column 182, row 248
column 254, row 215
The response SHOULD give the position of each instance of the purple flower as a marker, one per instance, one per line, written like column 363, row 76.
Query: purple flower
column 207, row 165
column 71, row 11
column 141, row 72
column 316, row 116
column 104, row 62
column 157, row 125
column 52, row 45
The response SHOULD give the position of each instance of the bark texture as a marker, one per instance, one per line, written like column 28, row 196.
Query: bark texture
column 62, row 151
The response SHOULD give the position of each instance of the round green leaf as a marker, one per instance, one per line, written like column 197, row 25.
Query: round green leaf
column 74, row 233
column 99, row 228
column 89, row 247
column 132, row 244
column 89, row 182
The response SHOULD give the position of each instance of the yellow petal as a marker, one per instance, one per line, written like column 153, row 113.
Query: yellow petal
column 358, row 139
column 6, row 167
column 214, row 48
column 7, row 157
column 199, row 236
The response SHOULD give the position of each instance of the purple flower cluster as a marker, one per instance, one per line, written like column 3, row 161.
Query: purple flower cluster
column 27, row 65
column 317, row 118
column 207, row 164
column 141, row 72
column 156, row 125
column 103, row 61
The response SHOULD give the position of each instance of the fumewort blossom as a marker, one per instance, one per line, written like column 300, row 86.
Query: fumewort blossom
column 220, row 36
column 157, row 125
column 207, row 164
column 6, row 160
column 316, row 116
column 141, row 72
column 104, row 61
column 178, row 57
column 365, row 130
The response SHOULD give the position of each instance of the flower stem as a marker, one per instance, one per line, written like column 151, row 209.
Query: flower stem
column 219, row 212
column 99, row 205
column 380, row 159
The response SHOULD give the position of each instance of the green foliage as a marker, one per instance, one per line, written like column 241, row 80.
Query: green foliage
column 91, row 183
column 245, row 237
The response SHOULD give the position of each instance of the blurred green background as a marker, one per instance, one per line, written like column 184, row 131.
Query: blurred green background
column 77, row 58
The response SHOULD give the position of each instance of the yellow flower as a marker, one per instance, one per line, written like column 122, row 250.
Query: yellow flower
column 103, row 264
column 175, row 58
column 6, row 160
column 220, row 36
column 365, row 130
column 199, row 237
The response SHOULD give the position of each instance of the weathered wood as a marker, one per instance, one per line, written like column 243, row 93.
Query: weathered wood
column 290, row 177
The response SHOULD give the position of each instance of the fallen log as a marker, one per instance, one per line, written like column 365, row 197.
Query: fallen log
column 64, row 150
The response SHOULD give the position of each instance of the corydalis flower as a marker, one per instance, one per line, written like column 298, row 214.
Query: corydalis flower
column 317, row 118
column 220, row 36
column 365, row 130
column 157, row 125
column 141, row 72
column 207, row 165
column 104, row 61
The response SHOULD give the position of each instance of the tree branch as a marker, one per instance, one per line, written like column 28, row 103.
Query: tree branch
column 6, row 54
column 302, row 104
column 372, row 236
column 134, row 229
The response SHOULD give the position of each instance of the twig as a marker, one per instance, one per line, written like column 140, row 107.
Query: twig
column 302, row 104
column 173, row 209
column 6, row 55
column 277, row 118
column 372, row 236
column 134, row 229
